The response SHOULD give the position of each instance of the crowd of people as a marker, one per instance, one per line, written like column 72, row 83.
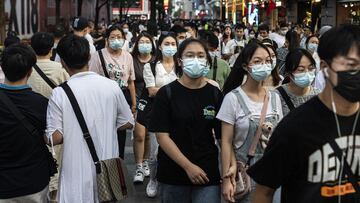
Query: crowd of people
column 217, row 111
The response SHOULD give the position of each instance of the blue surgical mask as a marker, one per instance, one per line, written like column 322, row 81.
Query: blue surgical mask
column 145, row 48
column 116, row 44
column 169, row 51
column 312, row 47
column 304, row 79
column 215, row 53
column 260, row 72
column 195, row 68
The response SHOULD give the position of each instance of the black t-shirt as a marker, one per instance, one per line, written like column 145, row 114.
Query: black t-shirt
column 301, row 161
column 24, row 167
column 188, row 115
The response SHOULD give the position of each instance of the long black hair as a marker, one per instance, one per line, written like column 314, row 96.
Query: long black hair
column 135, row 52
column 294, row 40
column 238, row 72
column 159, row 55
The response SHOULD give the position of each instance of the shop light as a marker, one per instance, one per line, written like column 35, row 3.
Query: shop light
column 317, row 1
column 345, row 5
column 351, row 5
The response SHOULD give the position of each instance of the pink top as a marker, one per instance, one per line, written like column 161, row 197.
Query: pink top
column 120, row 68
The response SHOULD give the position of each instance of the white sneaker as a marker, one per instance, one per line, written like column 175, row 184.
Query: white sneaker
column 146, row 168
column 152, row 188
column 139, row 175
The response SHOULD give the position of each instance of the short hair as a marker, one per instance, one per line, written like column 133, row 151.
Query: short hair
column 11, row 40
column 211, row 40
column 338, row 41
column 59, row 31
column 192, row 25
column 42, row 43
column 74, row 51
column 294, row 57
column 264, row 27
column 283, row 24
column 178, row 29
column 113, row 28
column 16, row 61
column 239, row 26
column 80, row 23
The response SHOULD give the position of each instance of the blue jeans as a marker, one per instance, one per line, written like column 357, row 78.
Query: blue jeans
column 190, row 194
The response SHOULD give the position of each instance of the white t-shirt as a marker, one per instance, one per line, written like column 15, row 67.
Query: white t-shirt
column 162, row 77
column 2, row 76
column 231, row 112
column 91, row 43
column 279, row 39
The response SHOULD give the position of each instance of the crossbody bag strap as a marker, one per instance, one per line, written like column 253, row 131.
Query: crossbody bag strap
column 347, row 169
column 102, row 60
column 286, row 98
column 18, row 115
column 83, row 125
column 255, row 141
column 215, row 68
column 44, row 77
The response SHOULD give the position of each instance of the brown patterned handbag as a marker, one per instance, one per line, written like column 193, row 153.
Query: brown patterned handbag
column 113, row 182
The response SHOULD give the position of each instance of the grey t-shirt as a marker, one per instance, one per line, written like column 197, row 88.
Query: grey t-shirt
column 296, row 100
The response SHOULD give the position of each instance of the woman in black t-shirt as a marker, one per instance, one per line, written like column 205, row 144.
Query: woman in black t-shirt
column 183, row 118
column 143, row 52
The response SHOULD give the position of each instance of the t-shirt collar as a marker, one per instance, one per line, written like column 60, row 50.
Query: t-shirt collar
column 10, row 87
column 82, row 74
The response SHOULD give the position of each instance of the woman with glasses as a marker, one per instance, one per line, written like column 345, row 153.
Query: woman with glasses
column 116, row 64
column 300, row 69
column 163, row 70
column 274, row 79
column 143, row 53
column 183, row 118
column 241, row 111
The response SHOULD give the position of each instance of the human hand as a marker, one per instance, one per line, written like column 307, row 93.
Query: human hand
column 196, row 175
column 228, row 190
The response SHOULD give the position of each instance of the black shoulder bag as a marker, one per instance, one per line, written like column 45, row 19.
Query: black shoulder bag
column 102, row 60
column 30, row 128
column 44, row 77
column 145, row 102
column 286, row 97
column 113, row 183
column 215, row 68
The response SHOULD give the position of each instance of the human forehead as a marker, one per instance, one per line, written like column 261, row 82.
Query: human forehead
column 144, row 39
column 271, row 51
column 169, row 40
column 304, row 61
column 352, row 56
column 181, row 34
column 194, row 48
column 260, row 53
column 115, row 33
column 313, row 39
column 125, row 26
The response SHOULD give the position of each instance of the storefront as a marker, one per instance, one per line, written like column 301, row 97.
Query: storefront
column 348, row 11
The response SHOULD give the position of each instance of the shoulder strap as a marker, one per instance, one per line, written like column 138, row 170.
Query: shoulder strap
column 255, row 141
column 215, row 68
column 44, row 77
column 18, row 115
column 83, row 125
column 102, row 60
column 286, row 97
column 273, row 101
column 347, row 169
column 242, row 102
column 153, row 67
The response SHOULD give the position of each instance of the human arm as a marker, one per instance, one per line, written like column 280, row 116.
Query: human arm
column 54, row 119
column 227, row 161
column 125, row 119
column 131, row 87
column 263, row 194
column 149, row 80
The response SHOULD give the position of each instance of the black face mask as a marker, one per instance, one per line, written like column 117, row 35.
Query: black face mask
column 349, row 85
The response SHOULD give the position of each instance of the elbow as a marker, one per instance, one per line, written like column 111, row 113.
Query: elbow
column 126, row 126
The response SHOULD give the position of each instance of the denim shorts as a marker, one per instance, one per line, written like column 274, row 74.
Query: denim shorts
column 190, row 194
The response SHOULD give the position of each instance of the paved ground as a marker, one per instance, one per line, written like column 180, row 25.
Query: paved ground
column 140, row 196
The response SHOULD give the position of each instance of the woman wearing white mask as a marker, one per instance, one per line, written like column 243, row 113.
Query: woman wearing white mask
column 240, row 114
column 116, row 64
column 311, row 44
column 143, row 53
column 183, row 118
column 160, row 72
column 300, row 68
column 274, row 80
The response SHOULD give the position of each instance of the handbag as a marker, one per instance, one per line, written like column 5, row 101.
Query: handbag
column 30, row 128
column 145, row 102
column 113, row 182
column 243, row 180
